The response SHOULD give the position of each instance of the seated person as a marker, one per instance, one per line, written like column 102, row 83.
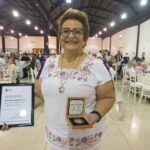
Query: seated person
column 125, row 59
column 129, row 68
column 139, row 67
column 11, row 71
column 111, row 69
column 148, row 69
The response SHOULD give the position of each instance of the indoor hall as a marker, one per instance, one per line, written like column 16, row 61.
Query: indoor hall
column 34, row 47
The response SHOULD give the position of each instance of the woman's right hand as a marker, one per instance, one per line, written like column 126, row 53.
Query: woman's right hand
column 4, row 127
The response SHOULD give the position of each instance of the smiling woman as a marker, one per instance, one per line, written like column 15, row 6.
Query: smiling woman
column 72, row 37
column 73, row 74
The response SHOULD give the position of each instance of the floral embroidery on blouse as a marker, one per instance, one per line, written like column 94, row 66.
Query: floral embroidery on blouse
column 80, row 74
column 74, row 143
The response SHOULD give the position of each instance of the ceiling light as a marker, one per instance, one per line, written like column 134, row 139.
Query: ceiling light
column 68, row 1
column 15, row 13
column 105, row 29
column 28, row 22
column 26, row 36
column 1, row 27
column 96, row 35
column 143, row 2
column 36, row 28
column 37, row 4
column 20, row 34
column 100, row 32
column 124, row 16
column 41, row 31
column 12, row 31
column 112, row 24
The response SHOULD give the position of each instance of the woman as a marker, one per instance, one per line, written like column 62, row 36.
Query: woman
column 10, row 73
column 73, row 74
column 139, row 67
column 111, row 69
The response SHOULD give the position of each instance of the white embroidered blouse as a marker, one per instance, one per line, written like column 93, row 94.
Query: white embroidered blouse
column 82, row 83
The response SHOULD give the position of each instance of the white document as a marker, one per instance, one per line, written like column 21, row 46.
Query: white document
column 16, row 105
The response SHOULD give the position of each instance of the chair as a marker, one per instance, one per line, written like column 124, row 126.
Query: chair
column 32, row 75
column 125, row 79
column 7, row 76
column 29, row 74
column 134, row 86
column 35, row 72
column 1, row 69
column 145, row 87
column 115, row 78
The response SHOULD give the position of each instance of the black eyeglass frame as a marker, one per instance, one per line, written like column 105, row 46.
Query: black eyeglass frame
column 75, row 31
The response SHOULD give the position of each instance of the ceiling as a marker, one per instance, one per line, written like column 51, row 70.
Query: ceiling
column 45, row 13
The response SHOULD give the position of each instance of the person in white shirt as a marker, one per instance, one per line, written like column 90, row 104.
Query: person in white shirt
column 111, row 69
column 10, row 72
column 2, row 63
column 148, row 68
column 99, row 55
column 74, row 74
column 129, row 68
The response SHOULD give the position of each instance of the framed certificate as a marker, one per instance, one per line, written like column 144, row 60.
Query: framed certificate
column 17, row 104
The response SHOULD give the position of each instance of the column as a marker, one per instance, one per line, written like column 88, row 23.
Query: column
column 18, row 44
column 137, row 43
column 110, row 44
column 102, row 44
column 46, row 49
column 3, row 43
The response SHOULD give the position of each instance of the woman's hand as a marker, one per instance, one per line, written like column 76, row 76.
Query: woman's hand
column 92, row 118
column 4, row 127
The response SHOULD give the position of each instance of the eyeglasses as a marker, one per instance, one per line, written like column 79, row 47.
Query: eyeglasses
column 75, row 31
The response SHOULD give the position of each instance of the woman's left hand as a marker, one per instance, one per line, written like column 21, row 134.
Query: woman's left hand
column 92, row 118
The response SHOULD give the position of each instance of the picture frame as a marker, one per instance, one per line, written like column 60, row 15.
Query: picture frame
column 17, row 104
column 75, row 113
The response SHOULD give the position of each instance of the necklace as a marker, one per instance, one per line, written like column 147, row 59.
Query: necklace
column 61, row 87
